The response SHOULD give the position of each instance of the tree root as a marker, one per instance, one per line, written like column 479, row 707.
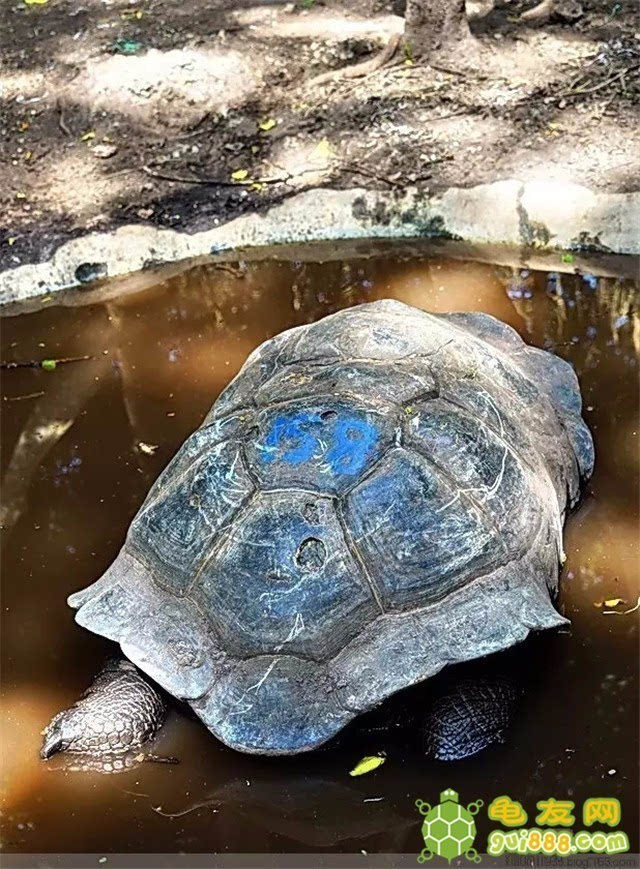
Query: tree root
column 364, row 68
column 540, row 13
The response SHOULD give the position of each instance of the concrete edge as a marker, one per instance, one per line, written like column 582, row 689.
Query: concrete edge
column 539, row 216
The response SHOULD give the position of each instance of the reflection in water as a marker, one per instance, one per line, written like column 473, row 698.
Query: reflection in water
column 78, row 461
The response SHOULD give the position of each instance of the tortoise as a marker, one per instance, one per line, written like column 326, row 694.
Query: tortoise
column 375, row 496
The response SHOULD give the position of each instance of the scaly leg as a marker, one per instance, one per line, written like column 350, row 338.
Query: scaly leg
column 120, row 711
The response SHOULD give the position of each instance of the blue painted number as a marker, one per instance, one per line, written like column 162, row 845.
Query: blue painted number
column 343, row 441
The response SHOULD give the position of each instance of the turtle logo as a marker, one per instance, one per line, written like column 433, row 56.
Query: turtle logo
column 448, row 829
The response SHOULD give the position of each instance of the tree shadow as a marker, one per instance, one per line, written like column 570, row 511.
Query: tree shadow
column 380, row 128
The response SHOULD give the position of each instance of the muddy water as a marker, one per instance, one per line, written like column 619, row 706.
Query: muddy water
column 81, row 447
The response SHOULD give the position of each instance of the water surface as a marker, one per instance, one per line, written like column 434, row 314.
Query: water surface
column 81, row 447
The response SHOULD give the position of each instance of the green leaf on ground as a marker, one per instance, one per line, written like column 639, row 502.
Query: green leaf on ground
column 127, row 46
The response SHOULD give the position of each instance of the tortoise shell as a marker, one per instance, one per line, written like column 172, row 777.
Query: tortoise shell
column 373, row 497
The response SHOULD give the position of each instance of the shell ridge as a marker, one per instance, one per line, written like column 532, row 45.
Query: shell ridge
column 357, row 555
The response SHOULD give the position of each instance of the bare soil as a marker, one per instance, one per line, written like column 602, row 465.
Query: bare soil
column 187, row 114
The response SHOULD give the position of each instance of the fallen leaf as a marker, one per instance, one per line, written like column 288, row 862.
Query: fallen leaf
column 322, row 150
column 368, row 764
column 48, row 364
column 36, row 2
column 239, row 175
column 568, row 258
column 90, row 134
column 267, row 125
column 147, row 449
column 623, row 612
column 614, row 601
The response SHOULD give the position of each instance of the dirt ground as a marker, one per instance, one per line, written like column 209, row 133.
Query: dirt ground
column 186, row 114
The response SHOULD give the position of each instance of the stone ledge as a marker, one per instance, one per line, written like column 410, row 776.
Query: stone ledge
column 536, row 217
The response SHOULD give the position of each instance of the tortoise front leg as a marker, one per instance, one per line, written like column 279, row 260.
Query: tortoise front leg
column 120, row 711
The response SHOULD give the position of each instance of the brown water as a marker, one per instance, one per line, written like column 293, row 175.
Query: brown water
column 75, row 474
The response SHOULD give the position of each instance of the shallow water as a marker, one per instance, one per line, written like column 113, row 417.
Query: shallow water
column 81, row 447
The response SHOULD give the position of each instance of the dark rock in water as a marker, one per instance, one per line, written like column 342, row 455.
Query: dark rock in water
column 469, row 716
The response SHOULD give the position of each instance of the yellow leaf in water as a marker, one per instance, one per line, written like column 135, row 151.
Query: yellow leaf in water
column 613, row 601
column 239, row 175
column 368, row 764
column 621, row 612
column 147, row 449
column 322, row 150
column 90, row 134
column 267, row 125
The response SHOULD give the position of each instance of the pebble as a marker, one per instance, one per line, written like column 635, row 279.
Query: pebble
column 104, row 151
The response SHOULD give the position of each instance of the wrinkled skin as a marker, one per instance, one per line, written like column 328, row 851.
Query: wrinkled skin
column 119, row 712
column 468, row 717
